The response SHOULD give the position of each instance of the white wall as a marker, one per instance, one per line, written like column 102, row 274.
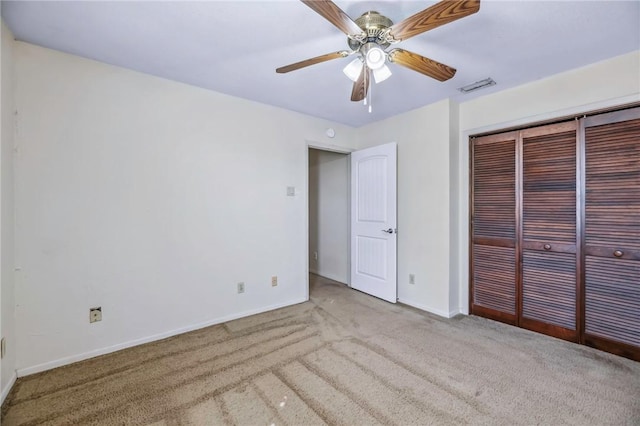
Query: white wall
column 7, row 305
column 329, row 214
column 151, row 199
column 602, row 85
column 423, row 138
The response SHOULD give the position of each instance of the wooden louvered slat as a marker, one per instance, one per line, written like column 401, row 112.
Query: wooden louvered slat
column 613, row 185
column 494, row 275
column 549, row 270
column 548, row 286
column 612, row 232
column 549, row 187
column 494, row 190
column 612, row 299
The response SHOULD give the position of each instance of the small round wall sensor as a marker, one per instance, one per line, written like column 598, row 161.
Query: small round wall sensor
column 330, row 132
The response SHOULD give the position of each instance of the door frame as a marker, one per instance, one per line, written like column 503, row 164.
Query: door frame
column 340, row 150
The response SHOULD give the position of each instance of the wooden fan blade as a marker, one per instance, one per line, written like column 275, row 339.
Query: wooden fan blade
column 332, row 13
column 432, row 17
column 312, row 61
column 423, row 65
column 361, row 86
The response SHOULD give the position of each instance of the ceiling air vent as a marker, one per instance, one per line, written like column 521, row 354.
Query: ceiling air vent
column 477, row 85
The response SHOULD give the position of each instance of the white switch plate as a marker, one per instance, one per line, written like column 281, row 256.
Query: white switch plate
column 291, row 191
column 274, row 281
column 240, row 288
column 412, row 279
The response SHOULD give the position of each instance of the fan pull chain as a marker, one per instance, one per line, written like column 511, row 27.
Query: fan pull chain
column 369, row 94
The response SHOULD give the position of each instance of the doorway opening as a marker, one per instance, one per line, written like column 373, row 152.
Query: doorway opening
column 329, row 204
column 352, row 218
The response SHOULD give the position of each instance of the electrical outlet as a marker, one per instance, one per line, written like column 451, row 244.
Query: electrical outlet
column 274, row 281
column 95, row 314
column 3, row 347
column 412, row 279
column 315, row 255
column 240, row 288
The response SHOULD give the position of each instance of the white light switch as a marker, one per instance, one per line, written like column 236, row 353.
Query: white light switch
column 291, row 191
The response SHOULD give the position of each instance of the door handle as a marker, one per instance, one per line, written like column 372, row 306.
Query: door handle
column 388, row 231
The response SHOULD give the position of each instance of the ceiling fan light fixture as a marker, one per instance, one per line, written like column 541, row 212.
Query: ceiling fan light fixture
column 381, row 74
column 370, row 35
column 353, row 69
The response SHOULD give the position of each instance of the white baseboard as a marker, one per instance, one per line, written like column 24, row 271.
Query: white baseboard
column 7, row 388
column 429, row 309
column 455, row 312
column 102, row 351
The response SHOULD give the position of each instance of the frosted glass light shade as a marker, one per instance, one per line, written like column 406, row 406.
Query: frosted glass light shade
column 375, row 58
column 353, row 70
column 381, row 74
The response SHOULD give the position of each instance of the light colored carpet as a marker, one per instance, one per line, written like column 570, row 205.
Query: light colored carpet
column 342, row 358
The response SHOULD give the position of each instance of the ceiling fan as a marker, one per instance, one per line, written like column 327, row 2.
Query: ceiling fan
column 372, row 33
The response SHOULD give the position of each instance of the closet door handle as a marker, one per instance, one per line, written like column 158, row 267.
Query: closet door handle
column 618, row 253
column 547, row 246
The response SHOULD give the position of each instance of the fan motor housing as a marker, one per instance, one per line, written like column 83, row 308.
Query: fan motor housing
column 373, row 24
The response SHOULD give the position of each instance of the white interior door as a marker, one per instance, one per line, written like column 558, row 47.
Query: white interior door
column 373, row 221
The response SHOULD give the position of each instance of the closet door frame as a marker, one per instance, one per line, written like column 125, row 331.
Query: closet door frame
column 609, row 116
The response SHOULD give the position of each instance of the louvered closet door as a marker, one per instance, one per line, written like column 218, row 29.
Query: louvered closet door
column 493, row 265
column 612, row 232
column 548, row 234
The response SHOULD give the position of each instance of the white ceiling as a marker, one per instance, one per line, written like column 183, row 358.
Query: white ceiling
column 234, row 47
